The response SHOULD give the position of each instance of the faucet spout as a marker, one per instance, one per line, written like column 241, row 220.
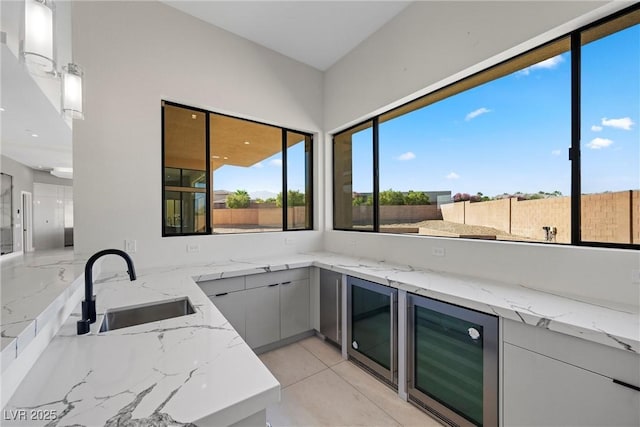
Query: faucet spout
column 89, row 303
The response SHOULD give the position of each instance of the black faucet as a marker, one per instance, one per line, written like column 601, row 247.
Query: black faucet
column 89, row 303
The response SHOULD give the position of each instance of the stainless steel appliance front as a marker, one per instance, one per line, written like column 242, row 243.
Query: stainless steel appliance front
column 331, row 305
column 372, row 327
column 453, row 362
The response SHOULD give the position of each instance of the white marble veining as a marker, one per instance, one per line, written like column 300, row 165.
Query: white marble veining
column 180, row 370
column 611, row 325
column 33, row 287
column 171, row 372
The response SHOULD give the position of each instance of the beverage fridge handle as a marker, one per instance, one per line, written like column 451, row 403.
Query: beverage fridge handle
column 338, row 309
column 392, row 335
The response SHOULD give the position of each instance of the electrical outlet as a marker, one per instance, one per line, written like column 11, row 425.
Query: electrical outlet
column 130, row 246
column 635, row 276
column 289, row 241
column 193, row 248
column 438, row 252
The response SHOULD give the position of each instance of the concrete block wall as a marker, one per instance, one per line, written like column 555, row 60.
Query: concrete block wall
column 606, row 217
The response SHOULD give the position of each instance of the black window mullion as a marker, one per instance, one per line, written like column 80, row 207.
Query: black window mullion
column 376, row 178
column 164, row 177
column 208, row 228
column 574, row 151
column 285, row 219
column 309, row 196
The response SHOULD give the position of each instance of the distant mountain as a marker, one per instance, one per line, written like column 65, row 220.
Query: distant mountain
column 262, row 195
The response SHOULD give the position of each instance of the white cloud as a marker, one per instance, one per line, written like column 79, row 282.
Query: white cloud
column 547, row 64
column 276, row 162
column 556, row 152
column 598, row 143
column 258, row 165
column 596, row 128
column 476, row 113
column 453, row 175
column 406, row 156
column 624, row 123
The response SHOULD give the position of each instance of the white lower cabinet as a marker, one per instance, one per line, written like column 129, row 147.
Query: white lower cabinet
column 294, row 308
column 541, row 391
column 551, row 379
column 232, row 306
column 262, row 315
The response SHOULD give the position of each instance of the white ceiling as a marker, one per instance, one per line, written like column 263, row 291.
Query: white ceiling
column 317, row 33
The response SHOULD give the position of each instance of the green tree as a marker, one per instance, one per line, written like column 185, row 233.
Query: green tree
column 416, row 198
column 294, row 198
column 362, row 200
column 391, row 197
column 238, row 200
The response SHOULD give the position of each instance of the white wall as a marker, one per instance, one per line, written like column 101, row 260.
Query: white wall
column 134, row 55
column 22, row 181
column 429, row 45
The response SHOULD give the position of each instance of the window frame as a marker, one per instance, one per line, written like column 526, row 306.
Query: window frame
column 208, row 190
column 575, row 40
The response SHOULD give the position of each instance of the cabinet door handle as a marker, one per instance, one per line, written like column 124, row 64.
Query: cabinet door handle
column 275, row 284
column 631, row 386
column 286, row 283
column 338, row 310
column 221, row 294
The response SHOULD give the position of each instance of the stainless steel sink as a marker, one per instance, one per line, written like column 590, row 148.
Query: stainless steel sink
column 123, row 317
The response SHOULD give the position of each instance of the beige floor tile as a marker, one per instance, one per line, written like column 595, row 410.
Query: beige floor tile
column 325, row 399
column 384, row 397
column 327, row 353
column 291, row 364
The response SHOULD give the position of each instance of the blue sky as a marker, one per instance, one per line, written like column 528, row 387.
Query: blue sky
column 508, row 135
column 512, row 134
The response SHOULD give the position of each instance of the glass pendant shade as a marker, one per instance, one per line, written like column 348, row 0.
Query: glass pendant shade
column 37, row 45
column 72, row 92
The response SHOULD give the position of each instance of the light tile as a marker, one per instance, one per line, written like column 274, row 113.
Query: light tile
column 291, row 364
column 325, row 399
column 384, row 397
column 327, row 353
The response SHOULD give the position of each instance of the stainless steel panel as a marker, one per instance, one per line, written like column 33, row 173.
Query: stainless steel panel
column 330, row 305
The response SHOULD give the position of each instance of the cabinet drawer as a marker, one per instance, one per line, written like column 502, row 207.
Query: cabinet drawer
column 215, row 287
column 265, row 279
column 541, row 391
column 611, row 362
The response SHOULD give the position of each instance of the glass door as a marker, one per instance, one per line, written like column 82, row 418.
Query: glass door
column 373, row 326
column 453, row 369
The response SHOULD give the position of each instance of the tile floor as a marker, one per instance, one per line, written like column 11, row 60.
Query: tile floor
column 319, row 388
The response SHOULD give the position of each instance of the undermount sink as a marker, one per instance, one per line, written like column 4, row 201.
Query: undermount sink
column 123, row 317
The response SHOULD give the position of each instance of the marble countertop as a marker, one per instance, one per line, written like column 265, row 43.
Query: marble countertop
column 33, row 287
column 184, row 369
column 171, row 372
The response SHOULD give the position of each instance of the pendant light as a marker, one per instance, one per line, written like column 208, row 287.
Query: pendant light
column 37, row 44
column 38, row 49
column 72, row 91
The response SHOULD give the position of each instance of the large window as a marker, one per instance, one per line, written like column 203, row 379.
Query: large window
column 499, row 155
column 353, row 178
column 223, row 174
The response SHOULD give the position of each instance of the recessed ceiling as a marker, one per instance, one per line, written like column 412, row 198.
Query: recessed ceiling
column 317, row 33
